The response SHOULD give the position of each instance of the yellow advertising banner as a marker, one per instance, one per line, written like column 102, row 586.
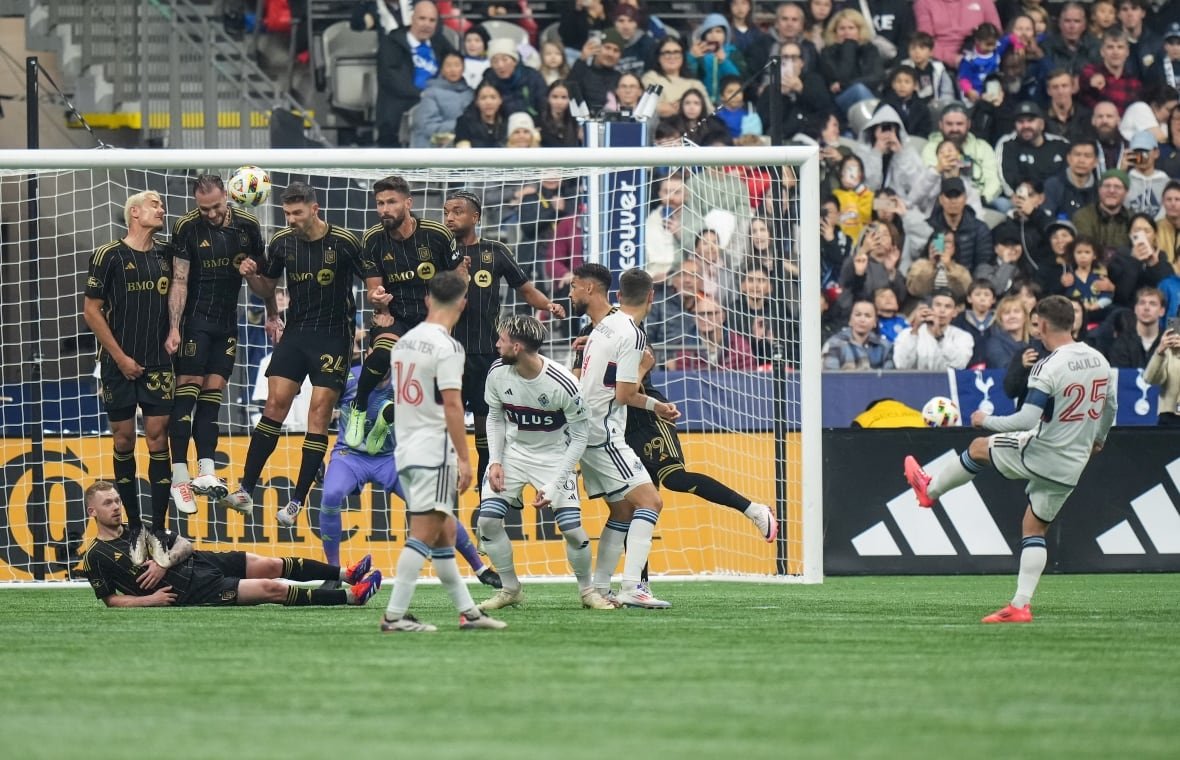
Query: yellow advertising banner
column 43, row 523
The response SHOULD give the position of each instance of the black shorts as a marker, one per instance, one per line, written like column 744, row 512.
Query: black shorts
column 207, row 352
column 399, row 328
column 324, row 359
column 657, row 444
column 151, row 391
column 475, row 377
column 215, row 579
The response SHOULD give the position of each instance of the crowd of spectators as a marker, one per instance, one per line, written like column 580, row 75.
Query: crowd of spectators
column 976, row 155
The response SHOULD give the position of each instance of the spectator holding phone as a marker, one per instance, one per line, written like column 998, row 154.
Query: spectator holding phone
column 1139, row 265
column 1163, row 369
column 1147, row 182
column 932, row 343
column 980, row 167
column 939, row 270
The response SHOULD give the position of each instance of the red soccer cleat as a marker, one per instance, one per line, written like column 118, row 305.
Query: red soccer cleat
column 1010, row 614
column 919, row 481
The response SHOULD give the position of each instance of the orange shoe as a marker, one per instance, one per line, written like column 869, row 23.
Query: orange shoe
column 1010, row 614
column 919, row 481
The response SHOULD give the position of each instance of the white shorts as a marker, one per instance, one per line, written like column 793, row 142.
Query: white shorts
column 431, row 489
column 518, row 474
column 612, row 470
column 1045, row 497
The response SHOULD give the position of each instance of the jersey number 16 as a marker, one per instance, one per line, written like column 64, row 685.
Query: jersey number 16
column 409, row 390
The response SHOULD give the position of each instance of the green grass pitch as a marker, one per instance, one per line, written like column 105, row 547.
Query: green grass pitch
column 860, row 667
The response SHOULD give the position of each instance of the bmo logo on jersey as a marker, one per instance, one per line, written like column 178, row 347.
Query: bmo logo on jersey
column 526, row 418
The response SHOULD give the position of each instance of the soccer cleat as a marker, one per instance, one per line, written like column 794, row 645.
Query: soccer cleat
column 468, row 623
column 592, row 600
column 641, row 596
column 363, row 591
column 406, row 624
column 764, row 520
column 239, row 501
column 354, row 427
column 168, row 556
column 380, row 431
column 137, row 537
column 490, row 577
column 1010, row 614
column 358, row 570
column 182, row 497
column 501, row 599
column 289, row 514
column 919, row 481
column 211, row 486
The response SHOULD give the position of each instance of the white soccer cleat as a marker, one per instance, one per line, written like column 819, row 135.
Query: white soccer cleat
column 239, row 501
column 211, row 486
column 468, row 623
column 168, row 556
column 354, row 428
column 592, row 600
column 641, row 596
column 406, row 624
column 764, row 520
column 289, row 514
column 137, row 537
column 182, row 497
column 501, row 599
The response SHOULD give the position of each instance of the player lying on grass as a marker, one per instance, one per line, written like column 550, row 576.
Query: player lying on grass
column 537, row 430
column 1066, row 416
column 349, row 469
column 206, row 578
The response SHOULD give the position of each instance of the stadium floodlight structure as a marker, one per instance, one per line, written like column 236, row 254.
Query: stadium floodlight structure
column 755, row 428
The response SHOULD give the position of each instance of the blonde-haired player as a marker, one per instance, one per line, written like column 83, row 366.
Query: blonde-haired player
column 537, row 431
column 1065, row 418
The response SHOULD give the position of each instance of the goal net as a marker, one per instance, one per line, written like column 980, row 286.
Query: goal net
column 730, row 235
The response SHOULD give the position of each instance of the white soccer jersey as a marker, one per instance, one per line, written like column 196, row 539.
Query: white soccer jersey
column 425, row 362
column 612, row 355
column 1074, row 385
column 537, row 412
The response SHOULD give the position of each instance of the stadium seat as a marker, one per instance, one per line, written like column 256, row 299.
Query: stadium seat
column 505, row 30
column 351, row 61
column 406, row 128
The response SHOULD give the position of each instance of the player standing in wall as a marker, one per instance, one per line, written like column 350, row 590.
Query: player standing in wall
column 126, row 307
column 656, row 441
column 209, row 245
column 610, row 469
column 427, row 374
column 320, row 261
column 1066, row 416
column 537, row 432
column 407, row 253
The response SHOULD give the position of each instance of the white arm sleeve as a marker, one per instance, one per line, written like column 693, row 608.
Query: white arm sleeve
column 494, row 426
column 1024, row 419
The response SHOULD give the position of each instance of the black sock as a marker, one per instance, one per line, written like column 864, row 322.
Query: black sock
column 160, row 476
column 707, row 488
column 481, row 452
column 205, row 432
column 315, row 446
column 375, row 368
column 300, row 569
column 303, row 597
column 180, row 423
column 262, row 444
column 127, row 487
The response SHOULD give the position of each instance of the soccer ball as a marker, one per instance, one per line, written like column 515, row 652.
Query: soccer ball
column 940, row 411
column 249, row 186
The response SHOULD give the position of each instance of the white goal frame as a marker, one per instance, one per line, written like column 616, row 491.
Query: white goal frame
column 805, row 159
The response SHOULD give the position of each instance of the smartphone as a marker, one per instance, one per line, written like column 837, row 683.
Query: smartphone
column 940, row 244
column 965, row 166
column 1174, row 324
column 787, row 68
column 1139, row 237
column 991, row 88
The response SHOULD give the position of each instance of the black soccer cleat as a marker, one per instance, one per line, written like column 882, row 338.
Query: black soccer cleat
column 490, row 577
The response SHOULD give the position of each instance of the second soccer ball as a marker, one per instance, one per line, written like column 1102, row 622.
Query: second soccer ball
column 249, row 186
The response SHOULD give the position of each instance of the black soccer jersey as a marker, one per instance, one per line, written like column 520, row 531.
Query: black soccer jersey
column 407, row 265
column 319, row 279
column 108, row 566
column 489, row 262
column 214, row 254
column 133, row 286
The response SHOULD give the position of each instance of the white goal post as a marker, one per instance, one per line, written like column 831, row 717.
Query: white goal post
column 754, row 426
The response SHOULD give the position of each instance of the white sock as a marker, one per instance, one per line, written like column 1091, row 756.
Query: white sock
column 180, row 473
column 950, row 477
column 206, row 467
column 643, row 525
column 409, row 566
column 448, row 572
column 610, row 548
column 577, row 551
column 494, row 540
column 1033, row 557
